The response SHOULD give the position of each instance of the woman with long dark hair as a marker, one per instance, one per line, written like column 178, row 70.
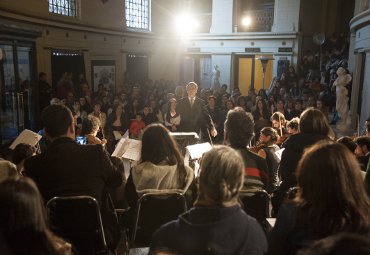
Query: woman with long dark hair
column 23, row 227
column 117, row 124
column 331, row 200
column 172, row 118
column 161, row 166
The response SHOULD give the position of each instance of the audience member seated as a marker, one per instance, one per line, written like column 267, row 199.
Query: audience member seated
column 239, row 130
column 102, row 119
column 137, row 127
column 261, row 116
column 90, row 128
column 161, row 166
column 23, row 227
column 172, row 118
column 331, row 200
column 217, row 224
column 363, row 151
column 22, row 152
column 117, row 124
column 348, row 142
column 148, row 117
column 70, row 169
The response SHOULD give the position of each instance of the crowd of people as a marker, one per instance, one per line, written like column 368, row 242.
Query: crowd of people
column 271, row 140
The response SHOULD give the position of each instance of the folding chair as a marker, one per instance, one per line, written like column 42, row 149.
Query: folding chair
column 256, row 204
column 152, row 211
column 77, row 219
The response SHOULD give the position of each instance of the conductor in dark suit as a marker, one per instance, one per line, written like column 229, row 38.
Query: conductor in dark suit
column 194, row 115
column 68, row 168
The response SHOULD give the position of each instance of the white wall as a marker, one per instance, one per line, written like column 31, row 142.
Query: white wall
column 222, row 17
column 286, row 15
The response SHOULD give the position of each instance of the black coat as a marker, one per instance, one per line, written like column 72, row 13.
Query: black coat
column 70, row 169
column 294, row 148
column 212, row 230
column 196, row 118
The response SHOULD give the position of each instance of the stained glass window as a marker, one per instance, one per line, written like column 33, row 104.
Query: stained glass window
column 138, row 14
column 63, row 7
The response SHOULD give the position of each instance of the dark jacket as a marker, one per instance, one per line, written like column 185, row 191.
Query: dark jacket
column 194, row 118
column 211, row 230
column 70, row 169
column 294, row 148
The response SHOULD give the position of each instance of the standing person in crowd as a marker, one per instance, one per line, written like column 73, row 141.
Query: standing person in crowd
column 194, row 114
column 216, row 224
column 70, row 169
column 45, row 91
column 23, row 225
column 313, row 127
column 280, row 106
column 79, row 115
column 320, row 105
column 239, row 131
column 216, row 117
column 331, row 200
column 172, row 118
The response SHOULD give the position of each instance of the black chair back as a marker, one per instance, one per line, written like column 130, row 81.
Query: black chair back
column 256, row 204
column 152, row 211
column 77, row 219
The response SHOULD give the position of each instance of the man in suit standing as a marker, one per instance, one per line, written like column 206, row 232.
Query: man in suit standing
column 194, row 115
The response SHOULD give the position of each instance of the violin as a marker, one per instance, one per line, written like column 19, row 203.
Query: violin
column 259, row 146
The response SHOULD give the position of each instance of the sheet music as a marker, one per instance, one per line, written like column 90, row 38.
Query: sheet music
column 197, row 150
column 128, row 149
column 28, row 137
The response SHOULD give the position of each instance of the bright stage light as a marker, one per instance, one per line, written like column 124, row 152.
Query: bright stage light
column 247, row 21
column 185, row 24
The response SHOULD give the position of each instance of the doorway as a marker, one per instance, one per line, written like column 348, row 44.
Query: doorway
column 249, row 74
column 17, row 86
column 197, row 68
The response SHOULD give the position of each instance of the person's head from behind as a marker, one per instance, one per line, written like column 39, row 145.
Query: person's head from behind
column 221, row 177
column 293, row 126
column 313, row 121
column 58, row 122
column 348, row 142
column 90, row 126
column 158, row 146
column 239, row 127
column 362, row 145
column 21, row 152
column 22, row 217
column 332, row 190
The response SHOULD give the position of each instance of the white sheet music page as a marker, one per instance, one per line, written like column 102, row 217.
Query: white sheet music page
column 197, row 150
column 128, row 149
column 28, row 137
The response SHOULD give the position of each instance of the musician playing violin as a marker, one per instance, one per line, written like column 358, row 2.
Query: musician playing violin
column 278, row 123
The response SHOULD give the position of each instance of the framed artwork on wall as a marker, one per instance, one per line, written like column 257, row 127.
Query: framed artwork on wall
column 103, row 72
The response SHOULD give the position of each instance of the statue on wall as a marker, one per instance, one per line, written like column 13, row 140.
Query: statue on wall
column 342, row 99
column 216, row 79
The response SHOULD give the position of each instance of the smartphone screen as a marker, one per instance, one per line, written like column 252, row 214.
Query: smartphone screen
column 81, row 139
